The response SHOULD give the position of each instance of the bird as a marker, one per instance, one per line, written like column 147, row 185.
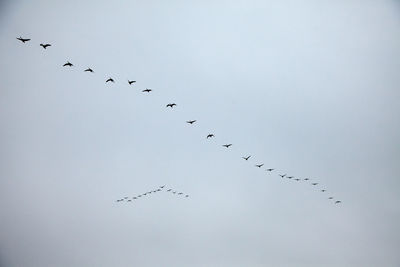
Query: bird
column 69, row 64
column 180, row 193
column 45, row 45
column 297, row 179
column 306, row 179
column 210, row 135
column 323, row 190
column 270, row 170
column 88, row 70
column 109, row 80
column 174, row 192
column 23, row 40
column 282, row 175
column 126, row 197
column 187, row 196
column 227, row 145
column 130, row 82
column 289, row 177
column 259, row 165
column 314, row 183
column 338, row 201
column 171, row 105
column 162, row 186
column 134, row 197
column 246, row 158
column 169, row 190
column 330, row 197
column 147, row 90
column 158, row 189
column 191, row 122
column 129, row 200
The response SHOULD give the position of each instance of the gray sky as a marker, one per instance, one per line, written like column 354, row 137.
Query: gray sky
column 307, row 87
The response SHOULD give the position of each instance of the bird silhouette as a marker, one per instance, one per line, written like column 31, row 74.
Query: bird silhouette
column 314, row 183
column 130, row 82
column 147, row 90
column 259, row 165
column 297, row 179
column 69, row 64
column 282, row 175
column 45, row 45
column 191, row 122
column 306, row 179
column 227, row 145
column 162, row 186
column 323, row 190
column 338, row 201
column 109, row 80
column 171, row 105
column 246, row 158
column 180, row 193
column 270, row 170
column 129, row 200
column 23, row 40
column 187, row 196
column 289, row 177
column 169, row 190
column 174, row 192
column 88, row 70
column 330, row 197
column 210, row 135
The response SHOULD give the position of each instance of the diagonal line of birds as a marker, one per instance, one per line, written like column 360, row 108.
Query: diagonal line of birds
column 190, row 122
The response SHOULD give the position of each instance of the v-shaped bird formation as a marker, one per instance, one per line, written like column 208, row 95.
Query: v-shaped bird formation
column 191, row 122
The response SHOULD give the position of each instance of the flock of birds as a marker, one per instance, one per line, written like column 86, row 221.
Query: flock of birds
column 153, row 191
column 172, row 105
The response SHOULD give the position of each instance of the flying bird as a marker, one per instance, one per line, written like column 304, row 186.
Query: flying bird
column 270, row 170
column 246, row 158
column 191, row 122
column 330, row 197
column 259, row 165
column 109, row 80
column 169, row 190
column 69, row 64
column 88, row 70
column 23, row 40
column 187, row 196
column 297, row 179
column 45, row 45
column 210, row 135
column 180, row 193
column 162, row 186
column 338, row 201
column 282, row 175
column 130, row 82
column 171, row 105
column 323, row 190
column 289, row 177
column 306, row 179
column 227, row 145
column 314, row 183
column 147, row 90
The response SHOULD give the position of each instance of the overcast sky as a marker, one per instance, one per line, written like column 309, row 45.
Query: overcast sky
column 310, row 88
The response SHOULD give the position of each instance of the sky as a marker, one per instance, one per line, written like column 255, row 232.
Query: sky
column 309, row 88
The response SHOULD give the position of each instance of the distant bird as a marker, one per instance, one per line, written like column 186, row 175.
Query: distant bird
column 297, row 179
column 45, row 45
column 323, row 190
column 171, row 105
column 210, row 135
column 338, row 201
column 130, row 82
column 129, row 200
column 126, row 197
column 169, row 190
column 180, row 193
column 69, row 64
column 330, row 197
column 191, row 122
column 23, row 40
column 259, row 165
column 109, row 80
column 187, row 196
column 270, row 170
column 227, row 145
column 118, row 200
column 88, row 70
column 134, row 197
column 147, row 90
column 306, row 179
column 314, row 183
column 162, row 186
column 174, row 192
column 246, row 158
column 282, row 175
column 289, row 177
column 158, row 189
